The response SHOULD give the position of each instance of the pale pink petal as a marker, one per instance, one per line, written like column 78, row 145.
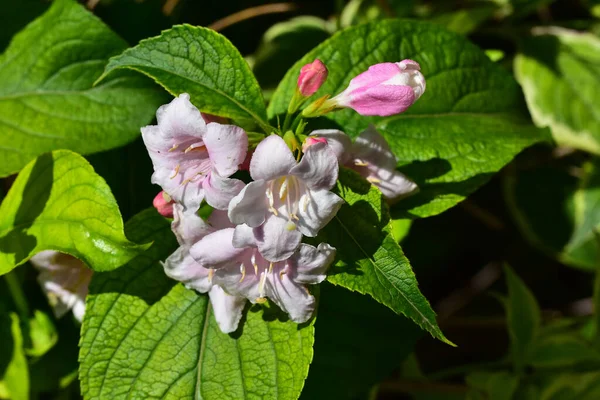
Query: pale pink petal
column 372, row 148
column 382, row 100
column 218, row 219
column 392, row 184
column 188, row 226
column 375, row 75
column 291, row 297
column 227, row 146
column 311, row 263
column 243, row 236
column 219, row 191
column 216, row 250
column 180, row 117
column 317, row 208
column 183, row 268
column 227, row 309
column 338, row 141
column 318, row 169
column 272, row 158
column 250, row 205
column 277, row 238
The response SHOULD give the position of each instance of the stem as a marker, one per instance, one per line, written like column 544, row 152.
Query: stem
column 339, row 7
column 251, row 13
column 14, row 287
column 286, row 123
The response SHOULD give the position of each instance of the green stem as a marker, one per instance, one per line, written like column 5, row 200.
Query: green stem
column 596, row 302
column 286, row 123
column 16, row 291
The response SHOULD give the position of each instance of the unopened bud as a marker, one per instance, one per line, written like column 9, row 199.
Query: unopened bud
column 163, row 204
column 384, row 89
column 312, row 76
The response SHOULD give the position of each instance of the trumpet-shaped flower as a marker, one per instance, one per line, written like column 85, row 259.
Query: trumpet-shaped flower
column 286, row 199
column 190, row 228
column 194, row 160
column 65, row 280
column 371, row 156
column 384, row 89
column 243, row 271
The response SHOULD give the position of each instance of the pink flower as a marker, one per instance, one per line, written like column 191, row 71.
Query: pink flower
column 312, row 76
column 310, row 140
column 163, row 204
column 371, row 156
column 65, row 280
column 287, row 199
column 384, row 89
column 194, row 160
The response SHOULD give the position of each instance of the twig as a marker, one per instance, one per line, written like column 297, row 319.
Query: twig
column 169, row 7
column 484, row 216
column 251, row 13
column 91, row 4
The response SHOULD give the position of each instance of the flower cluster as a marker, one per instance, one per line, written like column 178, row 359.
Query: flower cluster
column 250, row 247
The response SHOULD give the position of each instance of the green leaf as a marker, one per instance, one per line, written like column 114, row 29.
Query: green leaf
column 14, row 375
column 369, row 259
column 573, row 386
column 203, row 63
column 466, row 20
column 144, row 336
column 559, row 71
column 59, row 203
column 42, row 333
column 523, row 318
column 358, row 343
column 493, row 385
column 563, row 351
column 558, row 212
column 467, row 125
column 47, row 100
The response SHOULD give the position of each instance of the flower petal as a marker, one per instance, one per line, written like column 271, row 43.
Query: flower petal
column 317, row 208
column 219, row 191
column 228, row 309
column 188, row 226
column 218, row 219
column 277, row 238
column 243, row 236
column 272, row 158
column 338, row 141
column 180, row 117
column 392, row 184
column 291, row 297
column 311, row 263
column 227, row 146
column 183, row 268
column 372, row 148
column 216, row 250
column 318, row 168
column 250, row 205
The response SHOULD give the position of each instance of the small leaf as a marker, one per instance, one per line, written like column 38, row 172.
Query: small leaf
column 370, row 261
column 42, row 333
column 468, row 124
column 523, row 317
column 144, row 336
column 563, row 351
column 493, row 385
column 14, row 375
column 47, row 100
column 559, row 71
column 572, row 386
column 59, row 203
column 200, row 62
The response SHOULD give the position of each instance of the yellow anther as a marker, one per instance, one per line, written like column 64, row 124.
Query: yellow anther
column 175, row 146
column 373, row 180
column 175, row 172
column 274, row 211
column 255, row 268
column 281, row 273
column 290, row 226
column 360, row 163
column 243, row 271
column 270, row 268
column 211, row 273
column 261, row 300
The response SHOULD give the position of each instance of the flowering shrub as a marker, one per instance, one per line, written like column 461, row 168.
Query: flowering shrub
column 270, row 203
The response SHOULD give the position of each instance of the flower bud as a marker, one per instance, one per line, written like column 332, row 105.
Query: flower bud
column 312, row 76
column 310, row 140
column 384, row 89
column 163, row 204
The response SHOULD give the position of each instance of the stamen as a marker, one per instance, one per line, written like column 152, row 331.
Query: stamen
column 175, row 146
column 195, row 148
column 253, row 261
column 269, row 194
column 243, row 272
column 361, row 163
column 175, row 172
column 305, row 202
column 261, row 300
column 211, row 273
column 261, row 284
column 270, row 268
column 283, row 190
column 373, row 180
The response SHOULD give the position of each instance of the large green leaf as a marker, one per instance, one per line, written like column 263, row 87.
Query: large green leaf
column 559, row 212
column 47, row 100
column 359, row 342
column 14, row 374
column 560, row 73
column 369, row 259
column 204, row 64
column 523, row 318
column 58, row 202
column 144, row 336
column 466, row 126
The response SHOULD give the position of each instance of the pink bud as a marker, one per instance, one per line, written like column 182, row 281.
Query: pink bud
column 384, row 89
column 312, row 76
column 163, row 204
column 310, row 140
column 213, row 118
